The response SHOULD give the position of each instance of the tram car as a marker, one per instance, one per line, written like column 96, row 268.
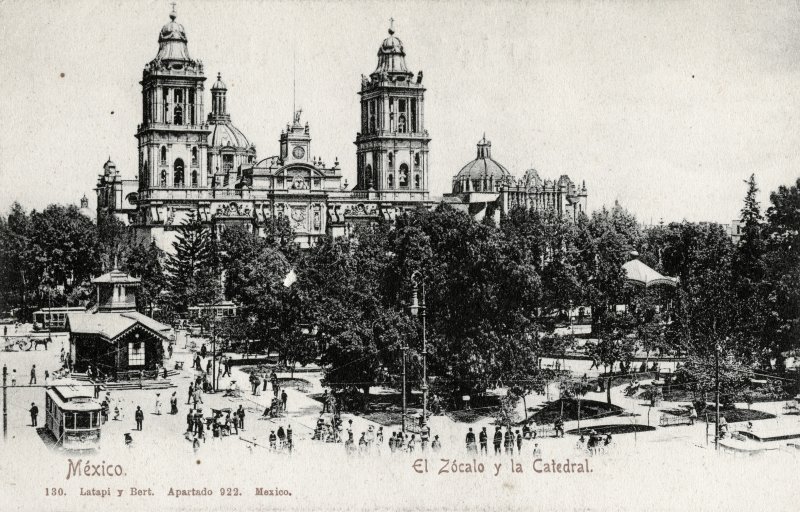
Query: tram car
column 72, row 415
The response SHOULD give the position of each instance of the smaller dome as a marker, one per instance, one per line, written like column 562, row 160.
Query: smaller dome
column 391, row 57
column 172, row 42
column 484, row 174
column 392, row 44
column 219, row 85
column 225, row 134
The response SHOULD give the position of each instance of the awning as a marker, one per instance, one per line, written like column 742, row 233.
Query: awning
column 637, row 272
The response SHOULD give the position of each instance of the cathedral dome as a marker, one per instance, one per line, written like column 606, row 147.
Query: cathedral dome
column 484, row 174
column 172, row 41
column 225, row 134
column 391, row 57
column 219, row 85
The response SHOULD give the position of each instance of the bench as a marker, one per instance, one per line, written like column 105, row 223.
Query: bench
column 668, row 420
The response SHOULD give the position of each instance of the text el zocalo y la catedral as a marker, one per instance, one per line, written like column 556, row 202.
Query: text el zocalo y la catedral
column 474, row 466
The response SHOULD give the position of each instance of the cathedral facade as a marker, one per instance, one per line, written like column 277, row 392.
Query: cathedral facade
column 193, row 163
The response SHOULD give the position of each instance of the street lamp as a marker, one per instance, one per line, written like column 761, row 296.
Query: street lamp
column 419, row 308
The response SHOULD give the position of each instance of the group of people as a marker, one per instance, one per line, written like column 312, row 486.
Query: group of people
column 222, row 423
column 501, row 442
column 283, row 440
column 594, row 442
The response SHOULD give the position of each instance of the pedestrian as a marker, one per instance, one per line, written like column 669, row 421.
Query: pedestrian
column 483, row 437
column 46, row 377
column 380, row 435
column 264, row 383
column 116, row 413
column 289, row 442
column 158, row 404
column 362, row 443
column 436, row 445
column 221, row 368
column 519, row 443
column 325, row 403
column 537, row 452
column 558, row 426
column 210, row 365
column 34, row 414
column 692, row 415
column 272, row 440
column 139, row 416
column 199, row 429
column 275, row 388
column 256, row 382
column 198, row 364
column 33, row 375
column 190, row 421
column 240, row 414
column 391, row 443
column 412, row 444
column 173, row 402
column 470, row 441
column 203, row 351
column 281, row 437
column 227, row 367
column 509, row 441
column 284, row 397
column 498, row 439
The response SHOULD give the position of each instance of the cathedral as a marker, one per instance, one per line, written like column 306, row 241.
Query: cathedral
column 193, row 163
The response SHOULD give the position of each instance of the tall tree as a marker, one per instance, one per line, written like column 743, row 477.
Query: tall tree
column 192, row 276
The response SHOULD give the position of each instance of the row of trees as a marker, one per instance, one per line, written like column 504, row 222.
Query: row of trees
column 494, row 292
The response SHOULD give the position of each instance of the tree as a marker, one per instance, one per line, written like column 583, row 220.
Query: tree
column 144, row 261
column 192, row 277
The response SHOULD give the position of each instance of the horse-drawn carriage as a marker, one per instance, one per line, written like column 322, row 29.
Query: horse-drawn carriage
column 25, row 342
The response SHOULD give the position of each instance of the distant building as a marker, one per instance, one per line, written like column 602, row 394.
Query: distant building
column 485, row 187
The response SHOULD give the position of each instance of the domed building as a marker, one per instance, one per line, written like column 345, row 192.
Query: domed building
column 228, row 148
column 484, row 174
column 85, row 210
column 485, row 187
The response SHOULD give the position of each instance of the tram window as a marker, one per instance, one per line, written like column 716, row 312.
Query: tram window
column 83, row 420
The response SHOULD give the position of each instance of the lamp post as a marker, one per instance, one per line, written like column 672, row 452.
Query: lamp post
column 404, row 348
column 419, row 308
column 716, row 386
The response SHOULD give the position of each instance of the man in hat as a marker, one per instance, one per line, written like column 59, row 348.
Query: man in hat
column 483, row 437
column 498, row 440
column 139, row 416
column 34, row 414
column 470, row 441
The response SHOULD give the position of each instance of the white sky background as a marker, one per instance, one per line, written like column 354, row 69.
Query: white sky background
column 664, row 106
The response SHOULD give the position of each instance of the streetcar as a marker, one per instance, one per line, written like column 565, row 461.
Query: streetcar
column 53, row 319
column 72, row 415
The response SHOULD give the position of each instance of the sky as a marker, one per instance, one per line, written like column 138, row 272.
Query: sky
column 666, row 107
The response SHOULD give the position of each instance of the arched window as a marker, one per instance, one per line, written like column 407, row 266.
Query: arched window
column 416, row 181
column 178, row 114
column 403, row 178
column 194, row 179
column 416, row 160
column 177, row 173
column 163, row 178
column 194, row 156
column 368, row 175
column 391, row 181
column 163, row 155
column 391, row 160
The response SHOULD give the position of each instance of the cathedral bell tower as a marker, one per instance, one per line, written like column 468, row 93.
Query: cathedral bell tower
column 173, row 137
column 392, row 147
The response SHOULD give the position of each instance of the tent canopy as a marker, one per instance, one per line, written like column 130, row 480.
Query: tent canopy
column 637, row 272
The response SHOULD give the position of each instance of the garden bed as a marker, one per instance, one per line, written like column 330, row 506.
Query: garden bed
column 567, row 408
column 621, row 428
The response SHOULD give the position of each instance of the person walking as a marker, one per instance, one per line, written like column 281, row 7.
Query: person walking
column 325, row 404
column 498, row 439
column 173, row 403
column 470, row 441
column 200, row 429
column 33, row 375
column 273, row 439
column 139, row 416
column 483, row 437
column 158, row 404
column 256, row 382
column 34, row 414
column 436, row 445
column 284, row 398
column 240, row 414
column 264, row 383
column 281, row 437
column 203, row 351
column 190, row 421
column 519, row 443
column 509, row 441
column 558, row 426
column 289, row 442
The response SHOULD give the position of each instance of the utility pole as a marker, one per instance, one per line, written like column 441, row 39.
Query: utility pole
column 419, row 308
column 716, row 386
column 404, row 348
column 5, row 408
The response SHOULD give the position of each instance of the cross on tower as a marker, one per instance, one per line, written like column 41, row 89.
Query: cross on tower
column 173, row 6
column 391, row 25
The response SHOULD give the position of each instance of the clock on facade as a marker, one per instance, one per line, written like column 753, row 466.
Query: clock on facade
column 298, row 152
